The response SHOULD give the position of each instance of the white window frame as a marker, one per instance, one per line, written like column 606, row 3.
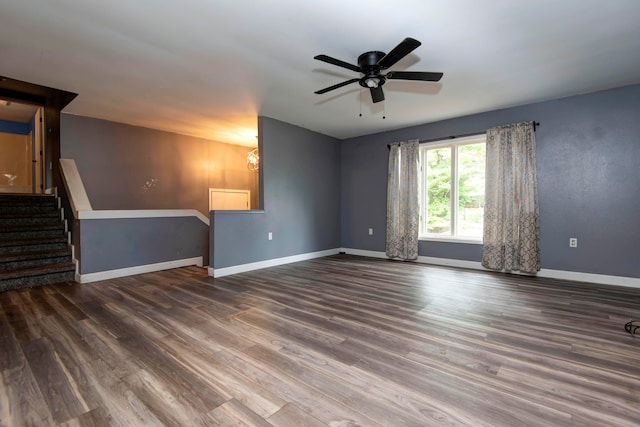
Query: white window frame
column 467, row 140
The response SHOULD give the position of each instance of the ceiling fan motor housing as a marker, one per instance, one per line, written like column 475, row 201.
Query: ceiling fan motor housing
column 368, row 63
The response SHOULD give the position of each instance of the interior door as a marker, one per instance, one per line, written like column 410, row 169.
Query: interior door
column 225, row 199
column 15, row 163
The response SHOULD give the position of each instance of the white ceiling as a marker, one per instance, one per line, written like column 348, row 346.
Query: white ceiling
column 208, row 68
column 16, row 112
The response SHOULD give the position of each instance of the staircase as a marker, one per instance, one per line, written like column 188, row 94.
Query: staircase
column 34, row 248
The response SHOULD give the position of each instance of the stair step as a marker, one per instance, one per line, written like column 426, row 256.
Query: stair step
column 25, row 209
column 17, row 218
column 26, row 206
column 26, row 199
column 34, row 250
column 33, row 244
column 13, row 261
column 37, row 276
column 25, row 196
column 31, row 230
column 14, row 200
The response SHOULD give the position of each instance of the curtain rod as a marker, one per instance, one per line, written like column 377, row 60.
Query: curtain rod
column 422, row 141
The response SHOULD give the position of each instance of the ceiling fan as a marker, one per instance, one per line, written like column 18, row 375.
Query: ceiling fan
column 371, row 64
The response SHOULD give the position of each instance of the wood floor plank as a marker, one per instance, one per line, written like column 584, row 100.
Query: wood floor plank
column 298, row 392
column 340, row 341
column 107, row 348
column 327, row 387
column 165, row 402
column 292, row 416
column 235, row 414
column 117, row 404
column 21, row 402
column 58, row 388
column 10, row 354
column 25, row 327
column 93, row 418
column 391, row 393
column 161, row 367
column 65, row 308
column 230, row 384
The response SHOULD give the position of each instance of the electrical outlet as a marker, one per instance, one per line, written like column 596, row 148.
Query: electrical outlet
column 573, row 242
column 270, row 236
column 371, row 232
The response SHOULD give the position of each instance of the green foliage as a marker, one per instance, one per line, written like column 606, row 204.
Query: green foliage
column 439, row 190
column 471, row 161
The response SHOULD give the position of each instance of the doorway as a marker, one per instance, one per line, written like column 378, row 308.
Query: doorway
column 21, row 148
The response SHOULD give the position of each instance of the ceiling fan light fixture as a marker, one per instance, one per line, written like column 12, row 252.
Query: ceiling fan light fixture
column 372, row 82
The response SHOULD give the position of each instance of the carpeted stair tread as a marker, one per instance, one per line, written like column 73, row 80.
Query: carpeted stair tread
column 26, row 196
column 22, row 256
column 10, row 232
column 38, row 271
column 8, row 219
column 29, row 227
column 25, row 209
column 34, row 232
column 27, row 241
column 10, row 214
column 34, row 244
column 26, row 200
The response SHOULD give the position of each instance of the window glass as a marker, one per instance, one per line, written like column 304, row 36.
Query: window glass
column 439, row 191
column 452, row 189
column 471, row 160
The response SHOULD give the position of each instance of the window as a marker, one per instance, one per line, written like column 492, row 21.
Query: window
column 452, row 189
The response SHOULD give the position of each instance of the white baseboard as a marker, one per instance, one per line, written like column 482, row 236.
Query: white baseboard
column 447, row 262
column 601, row 279
column 242, row 268
column 362, row 252
column 139, row 269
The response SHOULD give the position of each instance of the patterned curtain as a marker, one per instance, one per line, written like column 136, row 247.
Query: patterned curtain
column 511, row 219
column 402, row 201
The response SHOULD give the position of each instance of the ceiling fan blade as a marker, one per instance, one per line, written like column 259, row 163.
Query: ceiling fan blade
column 424, row 76
column 377, row 94
column 337, row 62
column 327, row 89
column 397, row 53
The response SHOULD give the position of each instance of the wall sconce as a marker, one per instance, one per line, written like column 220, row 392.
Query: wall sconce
column 253, row 160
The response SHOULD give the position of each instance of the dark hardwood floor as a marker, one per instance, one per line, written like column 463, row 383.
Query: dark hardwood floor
column 340, row 341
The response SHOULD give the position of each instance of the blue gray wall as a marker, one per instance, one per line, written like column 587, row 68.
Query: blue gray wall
column 111, row 244
column 18, row 128
column 131, row 167
column 301, row 188
column 588, row 157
